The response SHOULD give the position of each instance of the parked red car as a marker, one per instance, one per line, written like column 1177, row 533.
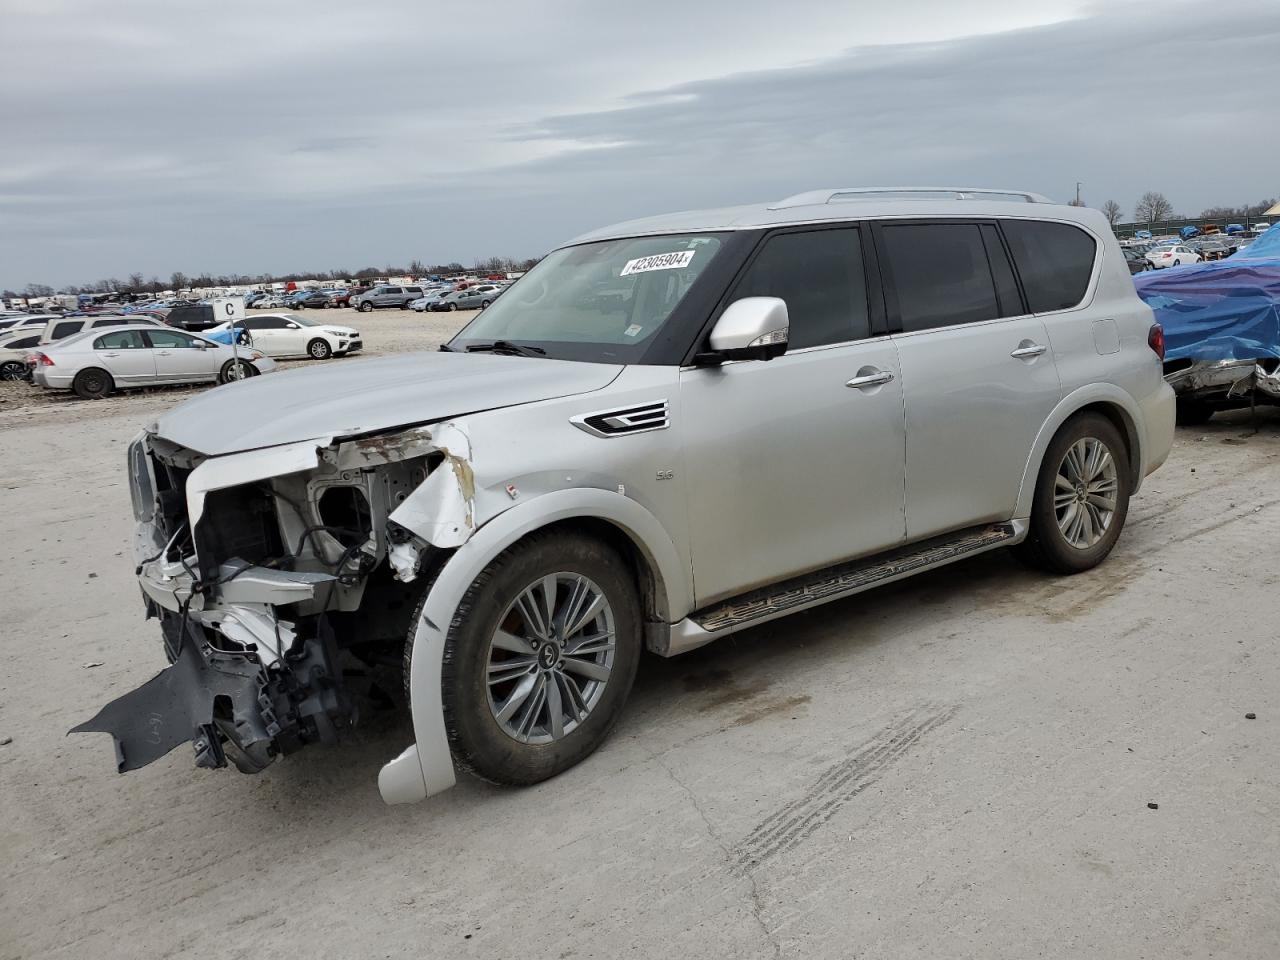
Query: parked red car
column 344, row 299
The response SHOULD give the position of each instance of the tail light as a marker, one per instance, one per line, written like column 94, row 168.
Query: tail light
column 41, row 360
column 1155, row 340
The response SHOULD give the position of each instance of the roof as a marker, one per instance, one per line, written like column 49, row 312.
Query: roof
column 849, row 203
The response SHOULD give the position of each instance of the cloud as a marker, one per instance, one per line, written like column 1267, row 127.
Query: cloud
column 272, row 137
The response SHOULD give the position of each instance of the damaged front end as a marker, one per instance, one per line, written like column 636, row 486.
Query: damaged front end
column 284, row 581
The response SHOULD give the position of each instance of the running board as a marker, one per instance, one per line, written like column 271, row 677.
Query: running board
column 832, row 583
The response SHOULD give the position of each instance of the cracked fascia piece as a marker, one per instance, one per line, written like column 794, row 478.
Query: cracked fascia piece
column 442, row 509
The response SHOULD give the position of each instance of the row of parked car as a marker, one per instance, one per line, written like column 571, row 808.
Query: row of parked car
column 465, row 295
column 96, row 355
column 1159, row 253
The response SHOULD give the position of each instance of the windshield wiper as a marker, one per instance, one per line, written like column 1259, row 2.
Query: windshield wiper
column 506, row 346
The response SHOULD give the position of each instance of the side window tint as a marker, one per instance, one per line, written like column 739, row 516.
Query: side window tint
column 819, row 275
column 1055, row 261
column 61, row 330
column 120, row 340
column 940, row 274
column 1001, row 272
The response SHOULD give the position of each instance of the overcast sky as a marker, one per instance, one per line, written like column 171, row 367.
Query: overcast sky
column 248, row 136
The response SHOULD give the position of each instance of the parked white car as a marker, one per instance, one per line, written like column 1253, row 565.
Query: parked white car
column 96, row 362
column 1174, row 256
column 59, row 328
column 283, row 335
column 272, row 301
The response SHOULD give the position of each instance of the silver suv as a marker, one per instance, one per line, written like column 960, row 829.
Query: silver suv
column 386, row 295
column 667, row 431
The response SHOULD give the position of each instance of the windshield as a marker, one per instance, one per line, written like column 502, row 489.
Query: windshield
column 601, row 302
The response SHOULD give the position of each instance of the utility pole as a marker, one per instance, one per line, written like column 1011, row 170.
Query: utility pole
column 1077, row 193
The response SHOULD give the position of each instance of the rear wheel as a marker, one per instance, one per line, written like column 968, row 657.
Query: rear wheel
column 13, row 370
column 92, row 384
column 1191, row 413
column 1082, row 497
column 540, row 658
column 453, row 306
column 319, row 349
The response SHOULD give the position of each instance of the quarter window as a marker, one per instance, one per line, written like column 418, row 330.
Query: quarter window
column 819, row 275
column 61, row 330
column 941, row 274
column 1055, row 261
column 120, row 340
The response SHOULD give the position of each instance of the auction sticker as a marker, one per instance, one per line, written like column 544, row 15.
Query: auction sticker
column 659, row 261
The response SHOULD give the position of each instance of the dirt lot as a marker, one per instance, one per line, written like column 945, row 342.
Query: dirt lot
column 958, row 765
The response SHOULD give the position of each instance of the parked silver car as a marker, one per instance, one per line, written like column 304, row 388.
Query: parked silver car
column 96, row 362
column 668, row 430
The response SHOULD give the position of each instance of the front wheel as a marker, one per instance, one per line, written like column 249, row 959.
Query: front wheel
column 1081, row 499
column 453, row 306
column 234, row 370
column 366, row 307
column 319, row 349
column 540, row 658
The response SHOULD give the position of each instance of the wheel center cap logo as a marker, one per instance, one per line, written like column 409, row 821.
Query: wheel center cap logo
column 548, row 656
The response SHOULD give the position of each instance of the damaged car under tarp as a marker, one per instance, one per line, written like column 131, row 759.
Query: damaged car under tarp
column 1221, row 323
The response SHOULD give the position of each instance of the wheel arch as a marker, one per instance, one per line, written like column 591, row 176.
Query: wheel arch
column 426, row 767
column 1108, row 400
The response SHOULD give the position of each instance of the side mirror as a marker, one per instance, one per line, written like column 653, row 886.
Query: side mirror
column 753, row 328
column 291, row 326
column 201, row 345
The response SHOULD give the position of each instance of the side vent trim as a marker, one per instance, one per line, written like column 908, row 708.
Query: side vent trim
column 624, row 421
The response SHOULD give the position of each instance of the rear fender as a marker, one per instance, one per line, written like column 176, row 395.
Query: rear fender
column 1071, row 404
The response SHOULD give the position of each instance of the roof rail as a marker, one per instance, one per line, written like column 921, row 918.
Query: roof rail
column 841, row 194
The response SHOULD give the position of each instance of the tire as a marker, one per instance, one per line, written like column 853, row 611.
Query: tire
column 319, row 349
column 483, row 304
column 13, row 370
column 228, row 373
column 452, row 306
column 405, row 305
column 92, row 384
column 480, row 741
column 1191, row 413
column 1047, row 545
column 366, row 307
column 1177, row 263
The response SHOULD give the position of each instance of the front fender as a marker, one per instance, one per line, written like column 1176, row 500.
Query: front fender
column 1109, row 393
column 426, row 767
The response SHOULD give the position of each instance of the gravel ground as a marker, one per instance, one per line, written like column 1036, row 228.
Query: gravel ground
column 960, row 765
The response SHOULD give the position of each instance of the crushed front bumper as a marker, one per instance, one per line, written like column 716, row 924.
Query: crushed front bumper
column 237, row 701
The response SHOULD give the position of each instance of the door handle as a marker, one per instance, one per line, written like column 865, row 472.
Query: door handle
column 873, row 379
column 111, row 354
column 163, row 353
column 1028, row 350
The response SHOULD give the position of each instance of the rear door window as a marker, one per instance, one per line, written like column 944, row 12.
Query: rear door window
column 940, row 275
column 1054, row 260
column 121, row 340
column 61, row 330
column 819, row 275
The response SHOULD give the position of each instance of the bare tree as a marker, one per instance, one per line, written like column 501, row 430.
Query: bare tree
column 1111, row 210
column 1153, row 206
column 38, row 290
column 178, row 279
column 136, row 280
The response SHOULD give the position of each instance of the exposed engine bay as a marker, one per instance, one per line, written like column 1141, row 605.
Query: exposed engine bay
column 284, row 581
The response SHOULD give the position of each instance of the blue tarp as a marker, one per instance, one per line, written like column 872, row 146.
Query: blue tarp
column 1220, row 310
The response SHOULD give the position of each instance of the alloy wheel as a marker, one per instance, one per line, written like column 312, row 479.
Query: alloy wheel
column 1086, row 490
column 550, row 658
